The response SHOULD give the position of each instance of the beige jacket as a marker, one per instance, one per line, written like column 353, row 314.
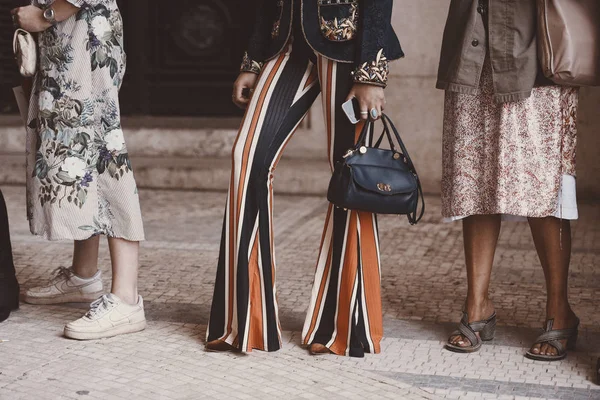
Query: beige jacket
column 504, row 29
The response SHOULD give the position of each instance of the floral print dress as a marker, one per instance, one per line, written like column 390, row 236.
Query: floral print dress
column 79, row 178
column 516, row 159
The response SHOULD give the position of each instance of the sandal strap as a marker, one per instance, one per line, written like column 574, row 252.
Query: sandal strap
column 465, row 329
column 469, row 330
column 560, row 349
column 559, row 334
column 553, row 337
column 478, row 326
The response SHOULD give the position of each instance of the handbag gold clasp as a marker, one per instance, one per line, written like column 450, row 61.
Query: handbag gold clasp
column 384, row 187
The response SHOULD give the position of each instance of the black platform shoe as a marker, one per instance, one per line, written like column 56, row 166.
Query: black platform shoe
column 9, row 287
column 9, row 296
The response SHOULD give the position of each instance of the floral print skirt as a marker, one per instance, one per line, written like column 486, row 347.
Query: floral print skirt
column 80, row 181
column 508, row 158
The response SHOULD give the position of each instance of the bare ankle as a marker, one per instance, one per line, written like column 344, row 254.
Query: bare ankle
column 479, row 308
column 560, row 311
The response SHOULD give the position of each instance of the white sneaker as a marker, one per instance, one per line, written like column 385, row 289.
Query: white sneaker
column 108, row 316
column 66, row 287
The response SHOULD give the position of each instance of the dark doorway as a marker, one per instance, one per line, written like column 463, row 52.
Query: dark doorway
column 9, row 76
column 183, row 56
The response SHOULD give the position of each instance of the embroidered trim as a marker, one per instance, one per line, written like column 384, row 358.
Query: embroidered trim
column 343, row 29
column 276, row 29
column 277, row 24
column 249, row 65
column 374, row 72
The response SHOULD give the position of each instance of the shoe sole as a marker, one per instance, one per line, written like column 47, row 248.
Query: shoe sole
column 463, row 350
column 63, row 298
column 115, row 331
column 5, row 311
column 539, row 357
column 219, row 346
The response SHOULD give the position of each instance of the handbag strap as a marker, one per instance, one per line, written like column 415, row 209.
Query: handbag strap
column 18, row 32
column 413, row 218
column 369, row 128
column 386, row 132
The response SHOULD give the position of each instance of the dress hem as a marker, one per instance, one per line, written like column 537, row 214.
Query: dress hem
column 58, row 239
column 505, row 217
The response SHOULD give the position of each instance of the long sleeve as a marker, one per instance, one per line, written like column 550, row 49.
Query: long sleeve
column 371, row 62
column 259, row 40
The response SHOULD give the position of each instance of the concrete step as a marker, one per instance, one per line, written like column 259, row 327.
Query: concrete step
column 293, row 176
column 152, row 137
column 185, row 153
column 194, row 154
column 175, row 137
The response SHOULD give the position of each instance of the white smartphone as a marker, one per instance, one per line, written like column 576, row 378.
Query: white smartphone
column 352, row 111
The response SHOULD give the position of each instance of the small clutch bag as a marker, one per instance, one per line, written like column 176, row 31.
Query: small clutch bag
column 25, row 50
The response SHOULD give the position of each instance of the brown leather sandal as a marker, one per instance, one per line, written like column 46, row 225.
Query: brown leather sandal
column 485, row 328
column 553, row 337
column 317, row 349
column 219, row 346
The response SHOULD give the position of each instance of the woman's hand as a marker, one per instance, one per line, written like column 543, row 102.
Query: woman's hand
column 246, row 80
column 30, row 18
column 370, row 97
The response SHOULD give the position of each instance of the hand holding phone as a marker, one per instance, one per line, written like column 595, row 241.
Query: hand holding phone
column 352, row 110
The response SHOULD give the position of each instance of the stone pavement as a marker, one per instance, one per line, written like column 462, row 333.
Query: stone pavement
column 423, row 290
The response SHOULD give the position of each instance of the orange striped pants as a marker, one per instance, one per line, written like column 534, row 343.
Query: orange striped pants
column 345, row 306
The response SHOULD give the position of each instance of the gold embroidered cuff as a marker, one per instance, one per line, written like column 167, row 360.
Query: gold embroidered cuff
column 374, row 72
column 249, row 65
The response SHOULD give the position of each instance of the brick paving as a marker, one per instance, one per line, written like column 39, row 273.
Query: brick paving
column 423, row 291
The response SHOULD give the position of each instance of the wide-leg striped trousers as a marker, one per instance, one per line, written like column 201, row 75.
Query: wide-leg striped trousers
column 345, row 305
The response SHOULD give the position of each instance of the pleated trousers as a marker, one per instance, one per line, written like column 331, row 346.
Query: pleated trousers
column 345, row 304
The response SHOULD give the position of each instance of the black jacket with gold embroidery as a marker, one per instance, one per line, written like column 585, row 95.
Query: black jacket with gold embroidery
column 348, row 31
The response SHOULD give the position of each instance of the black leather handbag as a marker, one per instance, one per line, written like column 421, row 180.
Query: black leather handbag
column 377, row 180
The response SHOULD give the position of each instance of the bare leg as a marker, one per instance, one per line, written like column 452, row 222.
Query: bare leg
column 480, row 233
column 555, row 258
column 85, row 257
column 124, row 256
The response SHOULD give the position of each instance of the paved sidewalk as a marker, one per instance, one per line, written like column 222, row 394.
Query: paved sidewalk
column 423, row 290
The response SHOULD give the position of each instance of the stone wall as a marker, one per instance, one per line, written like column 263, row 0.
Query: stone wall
column 416, row 106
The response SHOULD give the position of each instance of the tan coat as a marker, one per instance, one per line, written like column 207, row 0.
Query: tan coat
column 511, row 45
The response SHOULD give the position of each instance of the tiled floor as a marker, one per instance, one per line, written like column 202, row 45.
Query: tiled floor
column 423, row 290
